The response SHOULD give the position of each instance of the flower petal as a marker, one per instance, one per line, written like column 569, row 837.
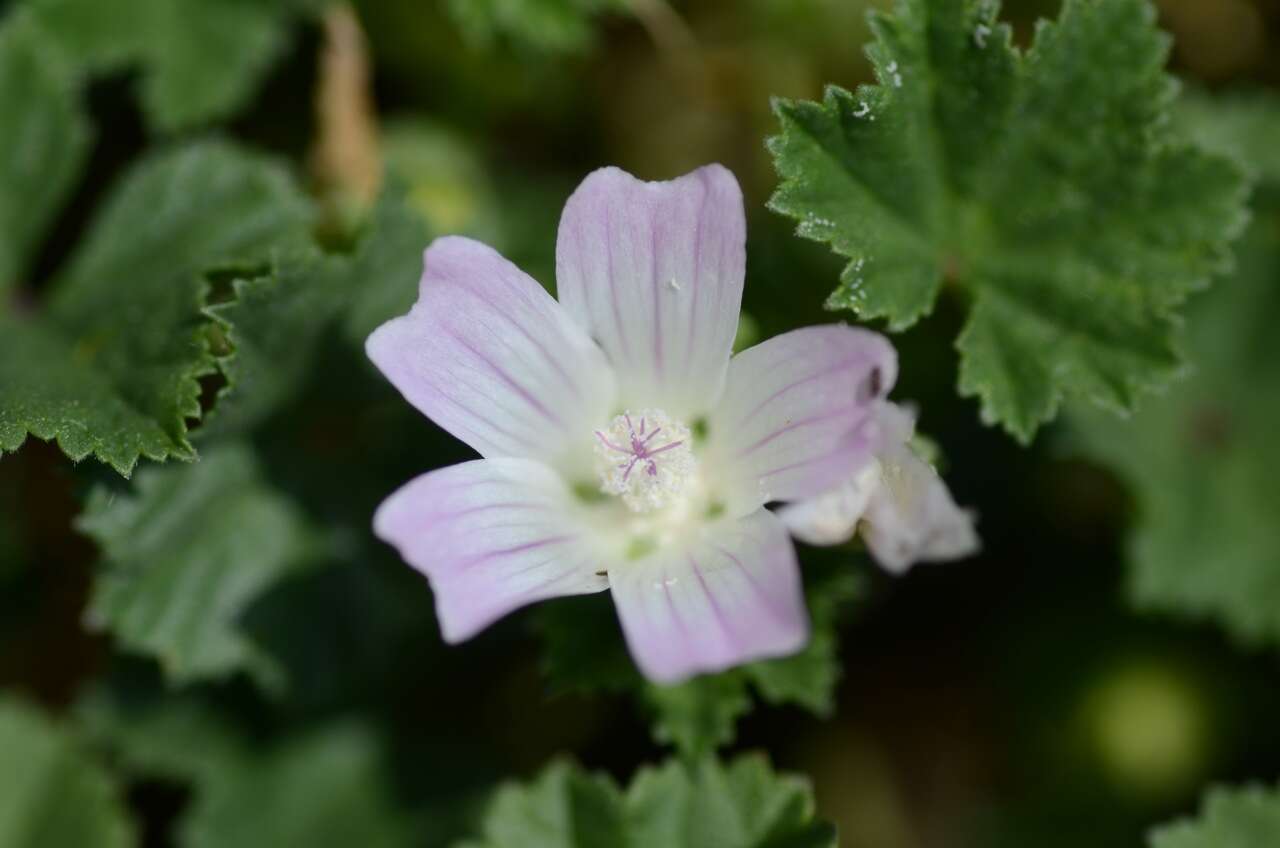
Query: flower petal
column 796, row 418
column 832, row 517
column 911, row 516
column 654, row 272
column 901, row 506
column 488, row 355
column 492, row 535
column 730, row 596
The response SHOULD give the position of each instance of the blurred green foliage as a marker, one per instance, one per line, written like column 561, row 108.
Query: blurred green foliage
column 52, row 793
column 1242, row 818
column 741, row 805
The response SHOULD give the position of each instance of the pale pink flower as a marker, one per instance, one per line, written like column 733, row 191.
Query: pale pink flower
column 622, row 447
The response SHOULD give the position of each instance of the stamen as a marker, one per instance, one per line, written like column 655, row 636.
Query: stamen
column 668, row 464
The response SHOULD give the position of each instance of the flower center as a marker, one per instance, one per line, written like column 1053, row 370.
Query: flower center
column 645, row 458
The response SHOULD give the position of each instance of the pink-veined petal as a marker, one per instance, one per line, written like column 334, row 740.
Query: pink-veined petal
column 492, row 535
column 728, row 596
column 796, row 418
column 488, row 355
column 654, row 272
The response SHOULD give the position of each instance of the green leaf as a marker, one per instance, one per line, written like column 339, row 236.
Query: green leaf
column 184, row 558
column 200, row 61
column 742, row 805
column 381, row 280
column 324, row 788
column 269, row 330
column 583, row 651
column 1232, row 818
column 701, row 715
column 551, row 26
column 51, row 794
column 808, row 679
column 50, row 390
column 46, row 138
column 274, row 322
column 1203, row 461
column 111, row 368
column 1039, row 182
column 1242, row 125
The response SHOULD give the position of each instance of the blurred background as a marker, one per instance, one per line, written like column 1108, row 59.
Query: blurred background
column 1015, row 699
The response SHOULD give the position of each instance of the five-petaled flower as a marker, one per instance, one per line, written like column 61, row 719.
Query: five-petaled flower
column 622, row 447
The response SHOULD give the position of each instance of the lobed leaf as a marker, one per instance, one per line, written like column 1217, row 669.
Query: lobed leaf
column 1248, row 817
column 186, row 555
column 111, row 367
column 551, row 26
column 1242, row 125
column 274, row 322
column 200, row 62
column 744, row 804
column 51, row 794
column 1203, row 460
column 46, row 139
column 583, row 650
column 1042, row 183
column 323, row 788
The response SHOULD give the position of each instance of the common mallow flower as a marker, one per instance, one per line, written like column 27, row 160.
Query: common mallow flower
column 897, row 503
column 622, row 447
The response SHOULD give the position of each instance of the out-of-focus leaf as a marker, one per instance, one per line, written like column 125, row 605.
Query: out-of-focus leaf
column 700, row 715
column 1041, row 182
column 274, row 321
column 324, row 788
column 381, row 281
column 808, row 679
column 201, row 61
column 51, row 794
column 741, row 805
column 1231, row 818
column 445, row 176
column 46, row 139
column 583, row 650
column 544, row 25
column 1204, row 461
column 111, row 368
column 186, row 555
column 1242, row 125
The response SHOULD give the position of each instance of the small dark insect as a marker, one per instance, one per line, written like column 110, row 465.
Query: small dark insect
column 602, row 574
column 872, row 386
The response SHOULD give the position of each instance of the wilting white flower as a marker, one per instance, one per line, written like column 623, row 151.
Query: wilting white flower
column 898, row 505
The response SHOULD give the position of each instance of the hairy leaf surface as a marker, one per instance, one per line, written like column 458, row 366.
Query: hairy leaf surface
column 1042, row 183
column 109, row 368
